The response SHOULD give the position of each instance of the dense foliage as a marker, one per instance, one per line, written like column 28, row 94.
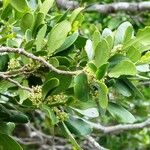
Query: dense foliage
column 66, row 72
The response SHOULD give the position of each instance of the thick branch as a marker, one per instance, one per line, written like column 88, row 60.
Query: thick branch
column 66, row 4
column 121, row 127
column 109, row 8
column 39, row 59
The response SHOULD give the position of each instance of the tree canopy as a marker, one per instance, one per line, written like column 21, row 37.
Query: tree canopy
column 74, row 75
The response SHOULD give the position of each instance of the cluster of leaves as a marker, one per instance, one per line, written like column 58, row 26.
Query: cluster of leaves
column 112, row 64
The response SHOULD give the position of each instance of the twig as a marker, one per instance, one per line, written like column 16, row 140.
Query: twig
column 15, row 82
column 108, row 8
column 120, row 127
column 95, row 144
column 39, row 59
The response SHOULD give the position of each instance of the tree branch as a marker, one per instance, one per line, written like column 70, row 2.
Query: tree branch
column 120, row 127
column 66, row 4
column 39, row 59
column 15, row 82
column 108, row 8
column 96, row 146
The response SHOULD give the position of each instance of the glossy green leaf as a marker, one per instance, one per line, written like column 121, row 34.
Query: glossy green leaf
column 58, row 35
column 40, row 38
column 92, row 67
column 103, row 95
column 133, row 88
column 145, row 58
column 20, row 5
column 6, row 12
column 122, row 88
column 3, row 62
column 46, row 5
column 17, row 117
column 78, row 127
column 7, row 128
column 49, row 86
column 96, row 38
column 123, row 68
column 54, row 61
column 64, row 81
column 39, row 20
column 121, row 113
column 70, row 136
column 68, row 42
column 27, row 21
column 7, row 143
column 133, row 54
column 124, row 33
column 89, row 49
column 90, row 112
column 102, row 53
column 50, row 114
column 101, row 71
column 107, row 34
column 81, row 87
column 141, row 41
column 75, row 13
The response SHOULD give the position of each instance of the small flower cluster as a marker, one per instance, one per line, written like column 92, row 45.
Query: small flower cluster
column 56, row 98
column 117, row 48
column 13, row 64
column 90, row 75
column 36, row 95
column 61, row 115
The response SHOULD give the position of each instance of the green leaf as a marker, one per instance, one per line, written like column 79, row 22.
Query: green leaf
column 145, row 58
column 122, row 88
column 23, row 94
column 20, row 5
column 39, row 20
column 108, row 36
column 78, row 127
column 133, row 54
column 103, row 95
column 58, row 35
column 125, row 67
column 89, row 49
column 7, row 128
column 5, row 3
column 92, row 67
column 27, row 21
column 3, row 62
column 6, row 12
column 133, row 88
column 7, row 143
column 102, row 53
column 81, row 88
column 124, row 33
column 64, row 81
column 68, row 42
column 101, row 71
column 96, row 38
column 90, row 112
column 121, row 113
column 49, row 86
column 142, row 38
column 54, row 61
column 75, row 13
column 46, row 5
column 70, row 136
column 17, row 117
column 40, row 38
column 50, row 114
